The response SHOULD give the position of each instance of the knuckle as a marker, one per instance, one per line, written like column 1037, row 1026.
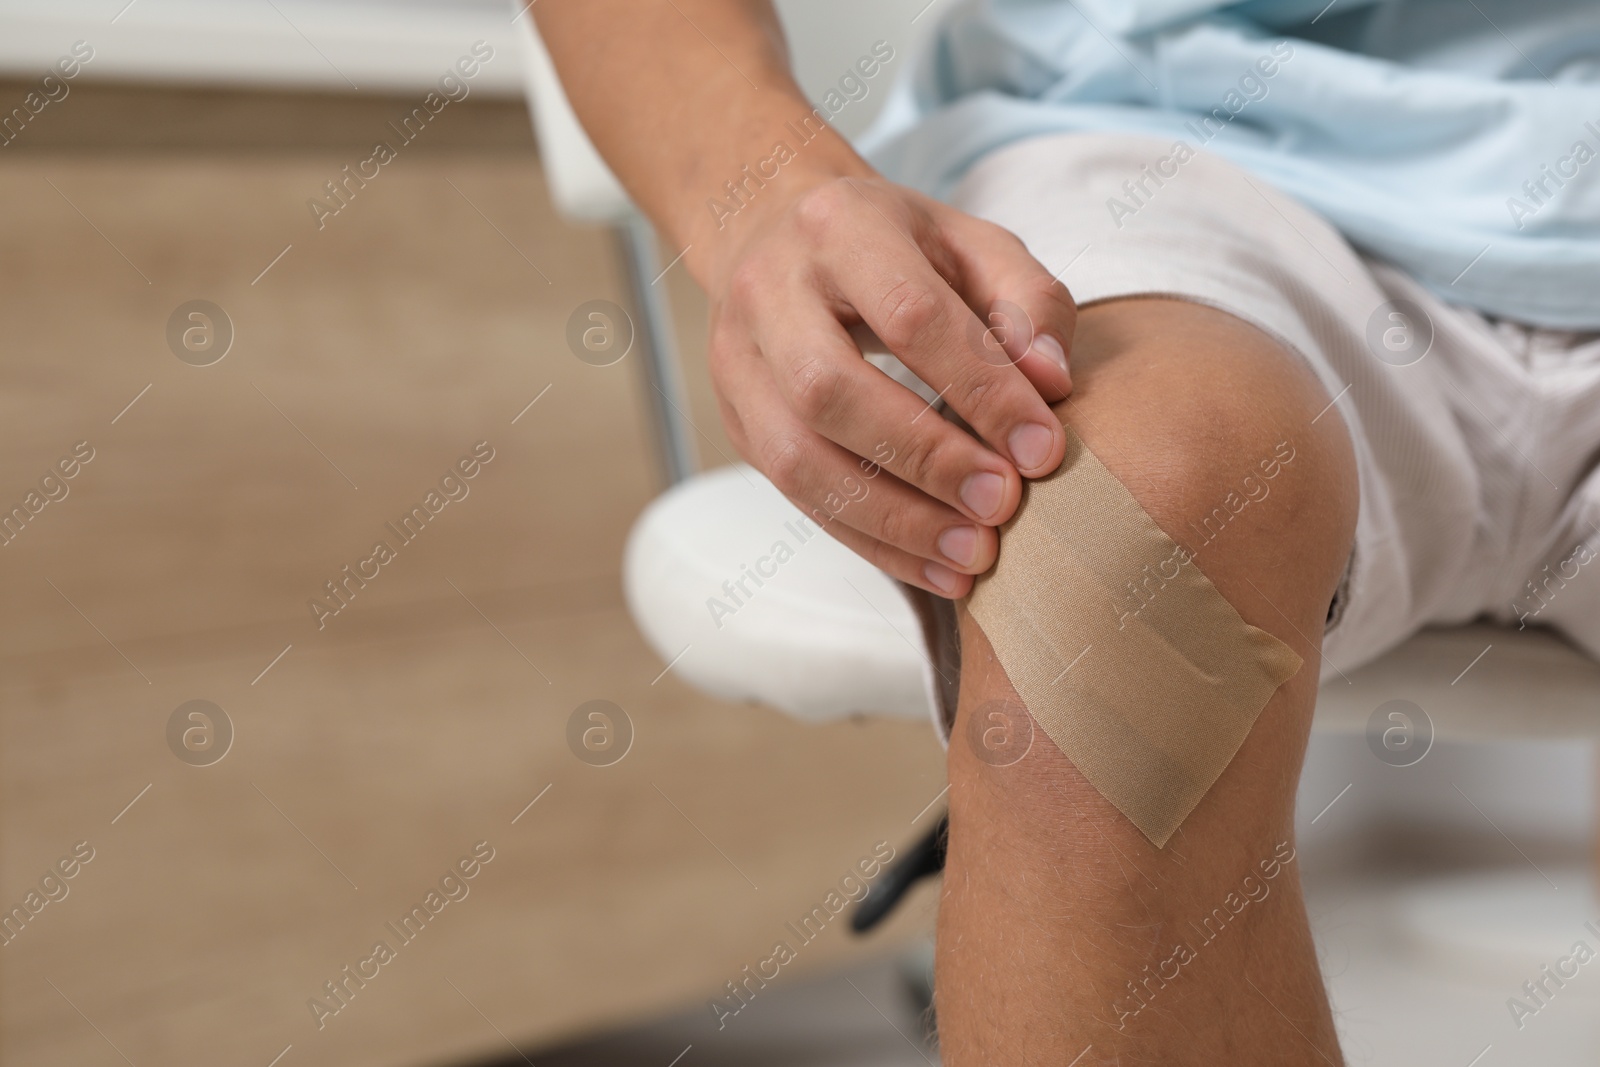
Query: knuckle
column 908, row 311
column 983, row 397
column 820, row 210
column 1042, row 306
column 783, row 460
column 919, row 460
column 1043, row 296
column 899, row 527
column 1055, row 303
column 814, row 388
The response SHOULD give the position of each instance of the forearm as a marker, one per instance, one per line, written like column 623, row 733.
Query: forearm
column 680, row 97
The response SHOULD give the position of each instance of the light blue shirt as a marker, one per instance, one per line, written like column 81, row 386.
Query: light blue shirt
column 1459, row 139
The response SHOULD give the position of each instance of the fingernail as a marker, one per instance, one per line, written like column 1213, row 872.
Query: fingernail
column 1030, row 445
column 983, row 492
column 1050, row 348
column 941, row 578
column 959, row 545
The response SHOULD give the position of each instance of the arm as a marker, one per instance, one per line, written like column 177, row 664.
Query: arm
column 681, row 96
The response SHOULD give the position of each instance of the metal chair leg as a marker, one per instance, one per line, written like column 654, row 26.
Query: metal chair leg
column 665, row 393
column 921, row 860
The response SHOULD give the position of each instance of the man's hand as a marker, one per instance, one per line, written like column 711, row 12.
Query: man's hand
column 959, row 301
column 681, row 96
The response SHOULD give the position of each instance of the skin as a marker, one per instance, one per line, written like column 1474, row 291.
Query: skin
column 827, row 246
column 1052, row 900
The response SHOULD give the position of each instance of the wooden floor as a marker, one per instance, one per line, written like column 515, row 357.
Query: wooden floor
column 371, row 754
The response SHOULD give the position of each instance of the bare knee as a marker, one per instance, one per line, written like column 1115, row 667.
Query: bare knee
column 1225, row 439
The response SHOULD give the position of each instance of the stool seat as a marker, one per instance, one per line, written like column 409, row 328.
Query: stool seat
column 762, row 606
column 765, row 607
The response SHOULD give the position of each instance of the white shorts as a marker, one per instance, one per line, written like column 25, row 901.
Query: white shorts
column 1476, row 441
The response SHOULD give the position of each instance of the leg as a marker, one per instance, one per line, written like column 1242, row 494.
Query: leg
column 1054, row 904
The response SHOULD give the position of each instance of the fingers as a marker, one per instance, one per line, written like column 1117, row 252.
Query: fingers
column 924, row 574
column 887, row 279
column 804, row 407
column 857, row 501
column 838, row 394
column 1031, row 315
